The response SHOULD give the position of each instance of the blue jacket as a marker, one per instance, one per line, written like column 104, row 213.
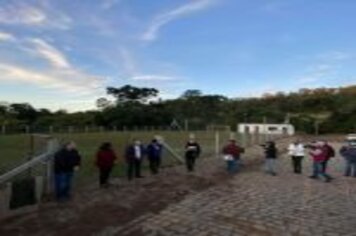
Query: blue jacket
column 154, row 150
column 130, row 153
column 349, row 153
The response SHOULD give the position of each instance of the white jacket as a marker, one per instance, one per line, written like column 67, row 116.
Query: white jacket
column 296, row 150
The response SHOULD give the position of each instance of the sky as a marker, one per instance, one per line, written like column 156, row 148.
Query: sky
column 62, row 54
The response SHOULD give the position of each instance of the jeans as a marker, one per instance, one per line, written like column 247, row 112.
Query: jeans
column 232, row 166
column 104, row 175
column 63, row 183
column 325, row 165
column 319, row 170
column 297, row 164
column 270, row 165
column 350, row 169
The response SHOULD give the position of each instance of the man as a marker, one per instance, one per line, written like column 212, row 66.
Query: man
column 297, row 152
column 319, row 156
column 349, row 153
column 66, row 161
column 192, row 152
column 154, row 152
column 330, row 153
column 232, row 154
column 134, row 156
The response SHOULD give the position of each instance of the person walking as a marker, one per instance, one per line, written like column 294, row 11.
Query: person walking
column 349, row 153
column 330, row 153
column 154, row 152
column 66, row 161
column 105, row 161
column 319, row 155
column 271, row 153
column 134, row 156
column 192, row 152
column 232, row 154
column 296, row 151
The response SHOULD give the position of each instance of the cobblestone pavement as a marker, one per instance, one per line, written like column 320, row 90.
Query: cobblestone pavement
column 253, row 203
column 208, row 202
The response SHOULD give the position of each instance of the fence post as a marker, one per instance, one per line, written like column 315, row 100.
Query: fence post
column 3, row 129
column 52, row 147
column 217, row 144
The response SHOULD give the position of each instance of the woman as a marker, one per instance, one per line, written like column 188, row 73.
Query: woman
column 105, row 161
column 232, row 154
column 297, row 152
column 192, row 152
column 271, row 156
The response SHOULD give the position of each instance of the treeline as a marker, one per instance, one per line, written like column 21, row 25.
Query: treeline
column 327, row 110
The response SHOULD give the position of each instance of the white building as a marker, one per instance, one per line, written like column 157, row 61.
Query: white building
column 286, row 129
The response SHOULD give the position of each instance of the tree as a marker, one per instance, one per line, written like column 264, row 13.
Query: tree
column 129, row 93
column 190, row 93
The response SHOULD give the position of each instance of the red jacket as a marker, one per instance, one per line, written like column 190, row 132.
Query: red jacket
column 319, row 154
column 233, row 150
column 105, row 159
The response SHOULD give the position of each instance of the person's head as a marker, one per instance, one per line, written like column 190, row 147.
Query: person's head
column 191, row 138
column 320, row 144
column 69, row 146
column 232, row 141
column 271, row 144
column 106, row 146
column 154, row 141
column 137, row 142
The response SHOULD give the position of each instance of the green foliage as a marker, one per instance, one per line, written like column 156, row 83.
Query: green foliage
column 334, row 110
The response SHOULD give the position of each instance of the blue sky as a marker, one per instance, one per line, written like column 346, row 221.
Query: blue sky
column 63, row 54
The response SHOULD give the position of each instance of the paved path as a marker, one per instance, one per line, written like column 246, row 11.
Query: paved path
column 253, row 203
column 209, row 203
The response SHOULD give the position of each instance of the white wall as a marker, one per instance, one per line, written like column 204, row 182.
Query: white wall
column 266, row 129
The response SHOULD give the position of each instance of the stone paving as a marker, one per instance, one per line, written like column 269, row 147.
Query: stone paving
column 254, row 203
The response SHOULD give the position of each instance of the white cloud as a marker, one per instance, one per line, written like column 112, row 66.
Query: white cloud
column 67, row 81
column 50, row 53
column 6, row 37
column 21, row 13
column 162, row 19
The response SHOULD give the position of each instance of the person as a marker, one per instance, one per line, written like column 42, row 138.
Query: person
column 319, row 155
column 66, row 161
column 232, row 154
column 192, row 152
column 134, row 156
column 297, row 152
column 154, row 152
column 105, row 161
column 271, row 156
column 349, row 153
column 330, row 153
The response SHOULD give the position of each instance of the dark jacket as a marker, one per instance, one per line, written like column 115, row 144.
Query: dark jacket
column 105, row 159
column 349, row 153
column 192, row 149
column 330, row 152
column 130, row 154
column 65, row 161
column 271, row 151
column 154, row 151
column 233, row 150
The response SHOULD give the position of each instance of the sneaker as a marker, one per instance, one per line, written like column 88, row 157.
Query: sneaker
column 313, row 177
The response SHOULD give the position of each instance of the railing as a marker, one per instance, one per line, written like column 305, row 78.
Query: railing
column 38, row 170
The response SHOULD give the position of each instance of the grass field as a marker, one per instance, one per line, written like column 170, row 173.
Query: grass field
column 14, row 149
